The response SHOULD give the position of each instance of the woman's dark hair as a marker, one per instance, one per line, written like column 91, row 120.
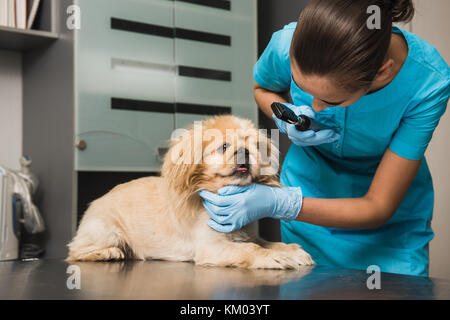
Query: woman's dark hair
column 333, row 38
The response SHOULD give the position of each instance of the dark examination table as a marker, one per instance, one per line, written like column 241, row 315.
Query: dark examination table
column 55, row 279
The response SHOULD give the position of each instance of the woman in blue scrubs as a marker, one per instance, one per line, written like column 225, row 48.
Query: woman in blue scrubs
column 359, row 194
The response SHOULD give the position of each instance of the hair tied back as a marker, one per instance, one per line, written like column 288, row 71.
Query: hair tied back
column 401, row 10
column 388, row 4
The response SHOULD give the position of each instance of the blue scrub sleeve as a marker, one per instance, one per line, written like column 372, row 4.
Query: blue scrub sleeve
column 273, row 69
column 416, row 128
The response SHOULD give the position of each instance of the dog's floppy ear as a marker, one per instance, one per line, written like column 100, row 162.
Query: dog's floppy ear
column 269, row 161
column 181, row 163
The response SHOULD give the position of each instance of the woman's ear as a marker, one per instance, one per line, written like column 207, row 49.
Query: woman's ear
column 384, row 74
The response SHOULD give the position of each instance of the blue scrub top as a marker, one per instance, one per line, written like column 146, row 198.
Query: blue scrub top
column 402, row 116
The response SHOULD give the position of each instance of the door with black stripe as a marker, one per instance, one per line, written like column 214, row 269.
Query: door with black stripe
column 144, row 68
column 125, row 75
column 214, row 58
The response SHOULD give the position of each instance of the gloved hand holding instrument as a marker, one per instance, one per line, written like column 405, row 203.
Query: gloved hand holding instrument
column 298, row 122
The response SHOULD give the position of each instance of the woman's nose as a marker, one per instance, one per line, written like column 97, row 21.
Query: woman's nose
column 318, row 105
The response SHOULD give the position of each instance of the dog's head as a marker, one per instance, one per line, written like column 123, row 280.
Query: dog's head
column 217, row 152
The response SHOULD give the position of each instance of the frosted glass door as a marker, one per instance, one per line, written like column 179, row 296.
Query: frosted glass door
column 121, row 69
column 211, row 51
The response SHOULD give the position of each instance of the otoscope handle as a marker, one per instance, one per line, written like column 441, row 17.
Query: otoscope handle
column 306, row 123
column 301, row 122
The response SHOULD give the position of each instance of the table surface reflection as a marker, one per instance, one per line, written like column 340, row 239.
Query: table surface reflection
column 52, row 279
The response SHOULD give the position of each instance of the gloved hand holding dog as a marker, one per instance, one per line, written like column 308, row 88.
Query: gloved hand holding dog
column 233, row 207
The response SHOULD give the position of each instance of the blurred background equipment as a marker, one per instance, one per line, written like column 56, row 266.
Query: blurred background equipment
column 9, row 231
column 16, row 208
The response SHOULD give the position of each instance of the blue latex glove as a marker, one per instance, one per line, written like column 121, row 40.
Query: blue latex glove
column 309, row 137
column 236, row 206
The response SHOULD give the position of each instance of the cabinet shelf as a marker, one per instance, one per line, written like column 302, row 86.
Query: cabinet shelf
column 24, row 40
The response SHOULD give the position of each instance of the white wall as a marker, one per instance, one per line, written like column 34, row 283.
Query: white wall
column 432, row 24
column 10, row 108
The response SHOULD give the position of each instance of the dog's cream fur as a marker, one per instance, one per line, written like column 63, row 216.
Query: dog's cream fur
column 163, row 217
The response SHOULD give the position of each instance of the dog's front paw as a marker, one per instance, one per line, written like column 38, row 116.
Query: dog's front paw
column 293, row 250
column 301, row 256
column 282, row 260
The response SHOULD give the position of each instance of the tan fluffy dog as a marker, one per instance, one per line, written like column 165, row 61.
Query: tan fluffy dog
column 163, row 217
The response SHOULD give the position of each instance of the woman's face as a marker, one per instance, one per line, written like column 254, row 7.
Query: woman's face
column 325, row 91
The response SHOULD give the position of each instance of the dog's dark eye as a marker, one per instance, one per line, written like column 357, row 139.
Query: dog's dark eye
column 223, row 148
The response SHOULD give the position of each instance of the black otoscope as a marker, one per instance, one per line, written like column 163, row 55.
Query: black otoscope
column 301, row 122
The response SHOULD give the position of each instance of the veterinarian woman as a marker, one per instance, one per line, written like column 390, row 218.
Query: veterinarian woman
column 360, row 194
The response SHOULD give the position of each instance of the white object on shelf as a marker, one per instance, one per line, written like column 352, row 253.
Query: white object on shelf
column 4, row 13
column 21, row 14
column 33, row 12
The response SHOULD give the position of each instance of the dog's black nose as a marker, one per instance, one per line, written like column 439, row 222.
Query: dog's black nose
column 243, row 156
